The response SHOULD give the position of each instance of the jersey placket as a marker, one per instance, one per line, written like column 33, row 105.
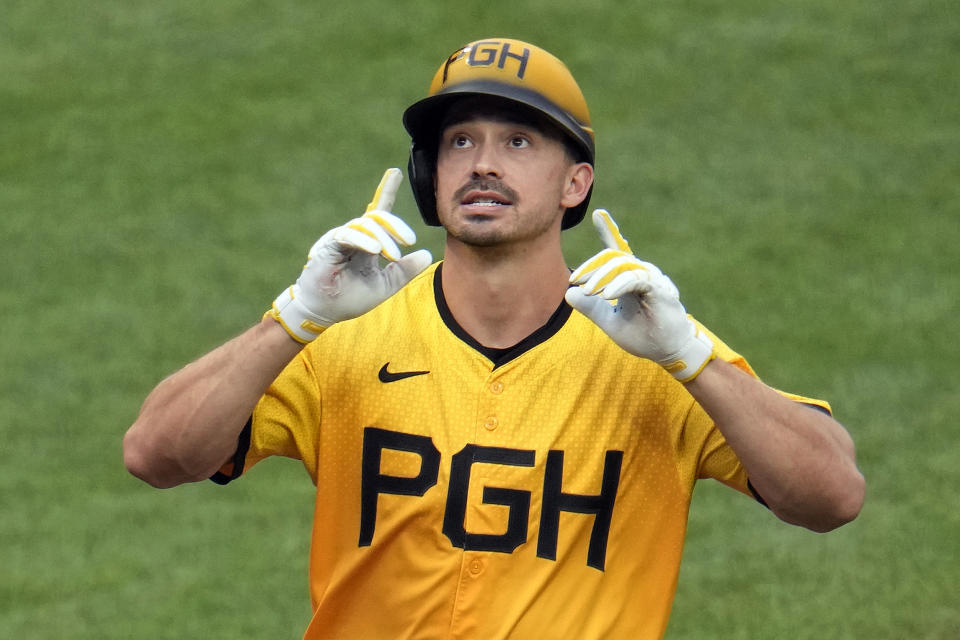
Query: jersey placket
column 486, row 528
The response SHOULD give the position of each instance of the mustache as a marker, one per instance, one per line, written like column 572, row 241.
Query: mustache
column 489, row 185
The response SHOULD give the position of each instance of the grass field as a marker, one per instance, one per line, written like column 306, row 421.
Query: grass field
column 165, row 166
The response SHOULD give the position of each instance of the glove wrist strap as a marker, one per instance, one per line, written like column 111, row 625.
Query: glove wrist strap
column 690, row 362
column 302, row 325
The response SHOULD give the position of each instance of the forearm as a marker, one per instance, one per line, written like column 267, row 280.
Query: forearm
column 800, row 460
column 189, row 424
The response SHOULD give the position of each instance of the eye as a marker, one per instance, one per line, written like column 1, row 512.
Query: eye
column 519, row 142
column 460, row 141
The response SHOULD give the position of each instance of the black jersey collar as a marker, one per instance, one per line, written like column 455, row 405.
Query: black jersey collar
column 498, row 357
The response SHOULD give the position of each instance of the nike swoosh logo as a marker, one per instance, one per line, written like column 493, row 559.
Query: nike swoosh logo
column 393, row 376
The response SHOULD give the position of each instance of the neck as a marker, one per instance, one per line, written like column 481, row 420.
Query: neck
column 500, row 295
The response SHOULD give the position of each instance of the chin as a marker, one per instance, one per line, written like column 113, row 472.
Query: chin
column 478, row 237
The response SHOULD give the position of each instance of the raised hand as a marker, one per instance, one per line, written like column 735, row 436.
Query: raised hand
column 638, row 306
column 342, row 278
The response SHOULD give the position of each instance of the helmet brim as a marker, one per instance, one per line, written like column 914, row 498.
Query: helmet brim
column 423, row 119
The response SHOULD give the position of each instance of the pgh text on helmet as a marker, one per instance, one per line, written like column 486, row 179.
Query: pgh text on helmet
column 516, row 71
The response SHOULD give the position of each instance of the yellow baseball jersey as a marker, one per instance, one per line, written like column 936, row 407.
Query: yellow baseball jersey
column 536, row 492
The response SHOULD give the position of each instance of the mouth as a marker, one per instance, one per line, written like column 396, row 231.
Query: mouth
column 485, row 199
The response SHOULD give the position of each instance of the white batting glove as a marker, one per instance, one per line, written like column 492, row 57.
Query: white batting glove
column 638, row 306
column 343, row 278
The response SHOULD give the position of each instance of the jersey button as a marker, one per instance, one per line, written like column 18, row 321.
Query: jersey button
column 476, row 566
column 496, row 387
column 491, row 423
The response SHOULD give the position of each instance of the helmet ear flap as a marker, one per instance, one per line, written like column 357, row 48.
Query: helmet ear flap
column 420, row 170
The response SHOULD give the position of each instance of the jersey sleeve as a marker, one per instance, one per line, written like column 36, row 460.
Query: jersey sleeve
column 284, row 422
column 716, row 459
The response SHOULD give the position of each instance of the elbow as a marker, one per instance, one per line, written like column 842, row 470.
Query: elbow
column 842, row 508
column 825, row 508
column 144, row 463
column 839, row 492
column 847, row 507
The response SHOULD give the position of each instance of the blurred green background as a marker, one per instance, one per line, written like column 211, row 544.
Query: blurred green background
column 164, row 168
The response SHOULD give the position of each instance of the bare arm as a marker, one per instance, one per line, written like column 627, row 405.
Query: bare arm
column 189, row 424
column 800, row 460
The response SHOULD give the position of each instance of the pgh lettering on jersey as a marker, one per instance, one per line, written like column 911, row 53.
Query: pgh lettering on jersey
column 540, row 491
column 517, row 501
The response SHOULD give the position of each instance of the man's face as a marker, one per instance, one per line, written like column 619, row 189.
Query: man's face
column 499, row 181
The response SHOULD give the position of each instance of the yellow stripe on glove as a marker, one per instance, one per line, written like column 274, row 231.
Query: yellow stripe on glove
column 646, row 317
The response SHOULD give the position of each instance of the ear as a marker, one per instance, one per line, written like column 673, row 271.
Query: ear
column 577, row 186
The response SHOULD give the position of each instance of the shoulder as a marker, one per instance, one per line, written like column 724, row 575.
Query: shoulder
column 402, row 314
column 723, row 351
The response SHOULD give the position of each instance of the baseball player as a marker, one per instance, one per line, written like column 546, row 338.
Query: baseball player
column 501, row 447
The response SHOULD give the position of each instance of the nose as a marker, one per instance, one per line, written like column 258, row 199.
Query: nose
column 486, row 163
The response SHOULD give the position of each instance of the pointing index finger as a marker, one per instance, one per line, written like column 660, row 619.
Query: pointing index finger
column 386, row 191
column 609, row 231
